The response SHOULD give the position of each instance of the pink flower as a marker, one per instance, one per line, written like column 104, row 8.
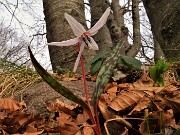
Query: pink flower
column 83, row 36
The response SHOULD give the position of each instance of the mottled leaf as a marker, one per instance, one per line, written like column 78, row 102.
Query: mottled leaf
column 96, row 66
column 55, row 84
column 132, row 62
column 106, row 71
column 100, row 55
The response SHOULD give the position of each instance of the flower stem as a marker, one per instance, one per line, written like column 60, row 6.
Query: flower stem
column 84, row 78
column 97, row 130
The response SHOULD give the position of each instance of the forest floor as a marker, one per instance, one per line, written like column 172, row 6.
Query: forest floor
column 125, row 108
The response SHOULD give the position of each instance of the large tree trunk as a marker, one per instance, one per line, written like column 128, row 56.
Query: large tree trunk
column 103, row 37
column 58, row 29
column 164, row 16
column 136, row 29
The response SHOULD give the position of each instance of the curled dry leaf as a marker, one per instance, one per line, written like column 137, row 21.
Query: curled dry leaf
column 67, row 124
column 169, row 96
column 60, row 106
column 126, row 99
column 9, row 104
column 16, row 122
column 82, row 118
column 145, row 80
column 88, row 129
column 109, row 114
column 142, row 104
column 112, row 92
column 174, row 103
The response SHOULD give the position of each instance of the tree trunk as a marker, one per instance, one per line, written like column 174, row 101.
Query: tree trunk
column 136, row 29
column 103, row 37
column 58, row 29
column 158, row 53
column 165, row 24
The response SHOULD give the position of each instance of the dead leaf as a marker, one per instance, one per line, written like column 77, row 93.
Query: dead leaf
column 88, row 130
column 82, row 118
column 125, row 85
column 126, row 99
column 60, row 106
column 168, row 119
column 169, row 96
column 67, row 124
column 9, row 104
column 142, row 104
column 158, row 121
column 145, row 80
column 93, row 78
column 65, row 77
column 31, row 130
column 117, row 75
column 108, row 86
column 109, row 114
column 112, row 90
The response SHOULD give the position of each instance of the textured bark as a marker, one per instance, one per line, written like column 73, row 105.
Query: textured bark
column 58, row 29
column 103, row 37
column 116, row 26
column 165, row 21
column 118, row 13
column 158, row 53
column 136, row 29
column 116, row 21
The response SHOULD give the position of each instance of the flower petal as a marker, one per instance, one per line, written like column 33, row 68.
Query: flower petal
column 100, row 22
column 78, row 57
column 77, row 28
column 92, row 44
column 65, row 43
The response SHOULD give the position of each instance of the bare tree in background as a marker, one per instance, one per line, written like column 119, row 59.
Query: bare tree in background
column 58, row 30
column 111, row 34
column 17, row 33
column 165, row 21
column 119, row 27
column 12, row 47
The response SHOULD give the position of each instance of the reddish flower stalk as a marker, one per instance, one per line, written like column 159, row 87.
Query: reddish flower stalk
column 84, row 38
column 97, row 128
column 84, row 77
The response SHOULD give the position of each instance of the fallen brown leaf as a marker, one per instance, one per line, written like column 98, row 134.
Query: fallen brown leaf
column 9, row 104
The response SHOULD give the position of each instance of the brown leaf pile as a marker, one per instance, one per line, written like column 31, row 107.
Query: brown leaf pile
column 145, row 108
column 126, row 108
column 63, row 119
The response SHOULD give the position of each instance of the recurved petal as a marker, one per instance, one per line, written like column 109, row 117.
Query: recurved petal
column 77, row 28
column 78, row 57
column 100, row 22
column 65, row 43
column 92, row 44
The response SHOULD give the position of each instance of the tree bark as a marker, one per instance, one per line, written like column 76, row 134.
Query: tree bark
column 58, row 29
column 103, row 37
column 136, row 29
column 165, row 24
column 158, row 53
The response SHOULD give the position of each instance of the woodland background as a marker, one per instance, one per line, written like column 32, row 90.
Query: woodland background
column 150, row 29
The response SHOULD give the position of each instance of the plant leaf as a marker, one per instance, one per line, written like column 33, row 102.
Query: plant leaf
column 55, row 84
column 177, row 132
column 96, row 57
column 153, row 74
column 96, row 66
column 106, row 72
column 133, row 62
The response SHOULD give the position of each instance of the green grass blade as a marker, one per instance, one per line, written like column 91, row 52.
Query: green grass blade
column 55, row 84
